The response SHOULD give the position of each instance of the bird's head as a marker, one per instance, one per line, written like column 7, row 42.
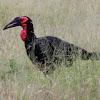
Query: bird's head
column 25, row 22
column 18, row 21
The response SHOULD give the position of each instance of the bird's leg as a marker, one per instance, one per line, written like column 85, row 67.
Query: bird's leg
column 45, row 69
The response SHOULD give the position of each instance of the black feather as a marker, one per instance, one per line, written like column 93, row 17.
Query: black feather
column 45, row 51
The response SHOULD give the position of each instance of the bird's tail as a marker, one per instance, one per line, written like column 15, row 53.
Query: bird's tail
column 94, row 55
column 90, row 55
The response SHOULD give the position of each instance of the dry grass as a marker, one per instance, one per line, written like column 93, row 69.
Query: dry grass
column 75, row 21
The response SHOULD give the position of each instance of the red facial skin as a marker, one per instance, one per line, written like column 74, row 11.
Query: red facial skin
column 23, row 33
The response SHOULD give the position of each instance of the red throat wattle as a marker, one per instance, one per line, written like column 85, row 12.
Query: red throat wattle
column 23, row 33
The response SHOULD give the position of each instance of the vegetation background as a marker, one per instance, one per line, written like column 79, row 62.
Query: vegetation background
column 75, row 21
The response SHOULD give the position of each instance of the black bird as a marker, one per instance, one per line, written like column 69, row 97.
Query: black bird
column 45, row 51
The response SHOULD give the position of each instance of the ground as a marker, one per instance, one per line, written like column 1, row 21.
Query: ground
column 74, row 21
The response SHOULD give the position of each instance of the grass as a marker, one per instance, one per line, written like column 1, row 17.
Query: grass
column 75, row 21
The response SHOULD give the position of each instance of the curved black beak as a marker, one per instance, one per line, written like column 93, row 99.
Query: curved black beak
column 14, row 23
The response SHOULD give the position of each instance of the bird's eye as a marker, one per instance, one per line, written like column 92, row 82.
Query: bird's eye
column 20, row 20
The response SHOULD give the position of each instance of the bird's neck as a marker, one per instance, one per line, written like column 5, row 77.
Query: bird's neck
column 27, row 34
column 30, row 34
column 30, row 38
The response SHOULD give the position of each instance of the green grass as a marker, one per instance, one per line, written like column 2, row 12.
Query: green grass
column 75, row 21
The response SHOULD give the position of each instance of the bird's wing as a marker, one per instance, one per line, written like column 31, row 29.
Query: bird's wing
column 43, row 50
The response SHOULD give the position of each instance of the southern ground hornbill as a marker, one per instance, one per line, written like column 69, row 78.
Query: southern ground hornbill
column 48, row 50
